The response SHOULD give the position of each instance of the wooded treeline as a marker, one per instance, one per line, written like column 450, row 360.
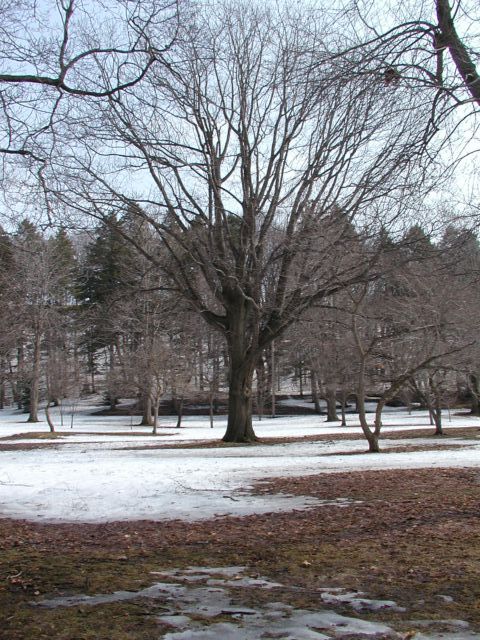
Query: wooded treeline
column 85, row 313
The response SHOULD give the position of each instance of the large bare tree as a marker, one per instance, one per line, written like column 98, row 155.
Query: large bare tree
column 262, row 167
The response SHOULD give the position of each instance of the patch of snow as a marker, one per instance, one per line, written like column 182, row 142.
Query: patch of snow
column 438, row 635
column 203, row 571
column 459, row 630
column 356, row 600
column 246, row 582
column 90, row 427
column 445, row 598
column 106, row 477
column 159, row 590
column 228, row 631
column 178, row 621
column 456, row 624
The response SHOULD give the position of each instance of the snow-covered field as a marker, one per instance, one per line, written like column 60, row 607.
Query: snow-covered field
column 102, row 469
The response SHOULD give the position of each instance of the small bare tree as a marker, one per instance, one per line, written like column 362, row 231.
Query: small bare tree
column 402, row 325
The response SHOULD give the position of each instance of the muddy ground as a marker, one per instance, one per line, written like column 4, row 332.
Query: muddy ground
column 411, row 536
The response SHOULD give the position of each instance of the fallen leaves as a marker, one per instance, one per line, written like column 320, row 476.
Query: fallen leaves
column 408, row 535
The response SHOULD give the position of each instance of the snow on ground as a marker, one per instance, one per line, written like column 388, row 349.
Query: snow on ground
column 192, row 598
column 81, row 420
column 103, row 477
column 186, row 608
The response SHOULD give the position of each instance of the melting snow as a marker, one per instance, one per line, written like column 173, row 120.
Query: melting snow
column 106, row 477
column 191, row 605
column 188, row 607
column 356, row 600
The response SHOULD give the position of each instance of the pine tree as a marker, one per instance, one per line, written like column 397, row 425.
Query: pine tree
column 64, row 262
column 104, row 280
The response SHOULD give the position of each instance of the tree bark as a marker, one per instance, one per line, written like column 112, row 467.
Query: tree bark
column 155, row 417
column 314, row 387
column 210, row 408
column 458, row 51
column 437, row 418
column 35, row 381
column 261, row 386
column 241, row 363
column 373, row 444
column 201, row 377
column 146, row 411
column 2, row 384
column 344, row 403
column 475, row 392
column 49, row 417
column 371, row 436
column 239, row 426
column 331, row 405
column 437, row 411
column 179, row 410
column 17, row 388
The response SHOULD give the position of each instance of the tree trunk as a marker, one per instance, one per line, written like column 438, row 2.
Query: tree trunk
column 156, row 405
column 343, row 403
column 314, row 387
column 49, row 417
column 273, row 389
column 475, row 408
column 113, row 401
column 437, row 415
column 241, row 367
column 17, row 388
column 437, row 419
column 331, row 405
column 210, row 408
column 373, row 444
column 2, row 385
column 35, row 381
column 201, row 375
column 239, row 426
column 475, row 392
column 13, row 386
column 371, row 436
column 261, row 386
column 179, row 409
column 146, row 411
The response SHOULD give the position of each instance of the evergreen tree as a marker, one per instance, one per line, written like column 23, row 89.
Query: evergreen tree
column 104, row 282
column 63, row 258
column 106, row 272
